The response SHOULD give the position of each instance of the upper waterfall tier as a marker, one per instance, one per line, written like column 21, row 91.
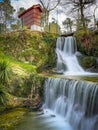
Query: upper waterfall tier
column 67, row 62
column 67, row 45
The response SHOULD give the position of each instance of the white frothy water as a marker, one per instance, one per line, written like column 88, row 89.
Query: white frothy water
column 67, row 62
column 74, row 101
column 72, row 104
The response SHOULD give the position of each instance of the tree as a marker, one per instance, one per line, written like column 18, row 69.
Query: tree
column 8, row 11
column 21, row 10
column 16, row 26
column 87, row 21
column 80, row 5
column 48, row 6
column 68, row 23
column 53, row 27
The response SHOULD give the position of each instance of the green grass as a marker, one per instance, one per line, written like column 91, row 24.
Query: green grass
column 26, row 67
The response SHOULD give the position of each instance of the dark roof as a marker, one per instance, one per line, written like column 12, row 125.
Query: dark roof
column 29, row 9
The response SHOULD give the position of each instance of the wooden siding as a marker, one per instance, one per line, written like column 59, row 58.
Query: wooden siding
column 32, row 17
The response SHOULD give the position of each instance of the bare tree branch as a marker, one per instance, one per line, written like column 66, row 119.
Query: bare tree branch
column 80, row 5
column 49, row 4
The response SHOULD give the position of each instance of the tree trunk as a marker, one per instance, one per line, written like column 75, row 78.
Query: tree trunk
column 70, row 28
column 82, row 14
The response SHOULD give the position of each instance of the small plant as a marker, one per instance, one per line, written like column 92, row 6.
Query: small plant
column 3, row 95
column 5, row 72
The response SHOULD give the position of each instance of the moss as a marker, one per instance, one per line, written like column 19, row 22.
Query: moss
column 28, row 53
column 9, row 120
column 89, row 62
column 37, row 84
column 87, row 42
column 28, row 46
column 22, row 87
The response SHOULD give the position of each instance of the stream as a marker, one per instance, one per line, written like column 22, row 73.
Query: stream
column 46, row 121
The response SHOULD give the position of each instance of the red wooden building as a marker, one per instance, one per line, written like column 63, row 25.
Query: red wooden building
column 31, row 17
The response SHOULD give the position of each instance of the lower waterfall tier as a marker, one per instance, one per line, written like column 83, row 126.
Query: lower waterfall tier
column 76, row 101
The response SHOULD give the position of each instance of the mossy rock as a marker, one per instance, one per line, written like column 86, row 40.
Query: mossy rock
column 10, row 119
column 89, row 62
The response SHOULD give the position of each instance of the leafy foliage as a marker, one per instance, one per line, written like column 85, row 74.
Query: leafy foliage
column 3, row 95
column 53, row 27
column 68, row 23
column 89, row 62
column 27, row 50
column 33, row 47
column 5, row 72
column 33, row 84
column 8, row 13
column 87, row 42
column 18, row 84
column 37, row 82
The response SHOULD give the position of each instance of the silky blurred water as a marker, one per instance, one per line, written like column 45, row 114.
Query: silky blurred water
column 46, row 121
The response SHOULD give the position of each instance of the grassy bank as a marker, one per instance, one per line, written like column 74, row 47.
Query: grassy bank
column 10, row 119
column 30, row 47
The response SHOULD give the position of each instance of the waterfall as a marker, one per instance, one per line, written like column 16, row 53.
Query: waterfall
column 67, row 62
column 75, row 101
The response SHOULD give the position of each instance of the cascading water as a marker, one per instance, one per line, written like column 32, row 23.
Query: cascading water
column 75, row 101
column 67, row 62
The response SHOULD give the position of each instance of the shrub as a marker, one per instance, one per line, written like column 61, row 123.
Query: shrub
column 80, row 34
column 5, row 71
column 89, row 62
column 87, row 42
column 3, row 95
column 27, row 46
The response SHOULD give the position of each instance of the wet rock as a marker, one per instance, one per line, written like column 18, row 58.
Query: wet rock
column 93, row 69
column 40, row 113
column 26, row 103
column 53, row 115
column 58, row 72
column 37, row 107
column 33, row 104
